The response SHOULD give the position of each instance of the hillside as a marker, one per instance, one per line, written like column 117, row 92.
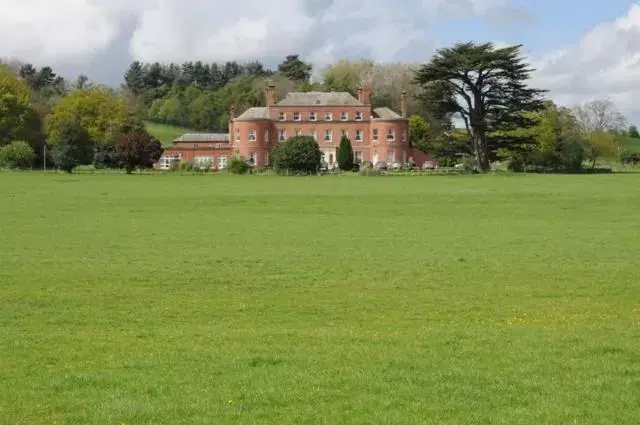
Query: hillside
column 630, row 143
column 166, row 133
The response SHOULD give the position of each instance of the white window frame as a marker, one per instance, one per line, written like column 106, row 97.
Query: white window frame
column 391, row 135
column 328, row 133
column 266, row 135
column 359, row 136
column 222, row 162
column 297, row 116
column 404, row 135
column 358, row 116
column 344, row 133
column 253, row 158
column 328, row 116
column 252, row 136
column 282, row 135
column 297, row 132
column 237, row 134
column 282, row 116
column 374, row 134
column 266, row 157
column 314, row 134
column 344, row 116
column 201, row 159
column 358, row 156
column 312, row 116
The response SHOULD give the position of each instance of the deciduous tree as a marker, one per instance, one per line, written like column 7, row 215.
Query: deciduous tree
column 599, row 116
column 17, row 154
column 486, row 87
column 101, row 111
column 72, row 147
column 137, row 150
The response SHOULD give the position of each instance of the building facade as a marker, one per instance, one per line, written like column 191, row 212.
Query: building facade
column 376, row 134
column 199, row 148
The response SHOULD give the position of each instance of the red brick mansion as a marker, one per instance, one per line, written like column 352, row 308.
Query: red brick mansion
column 376, row 134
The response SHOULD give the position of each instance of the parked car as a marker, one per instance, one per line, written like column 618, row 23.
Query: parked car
column 428, row 165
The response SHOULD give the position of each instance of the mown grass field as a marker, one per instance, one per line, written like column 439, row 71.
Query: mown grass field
column 165, row 133
column 171, row 299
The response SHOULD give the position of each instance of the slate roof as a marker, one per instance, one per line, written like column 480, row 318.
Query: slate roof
column 256, row 113
column 386, row 114
column 318, row 98
column 203, row 137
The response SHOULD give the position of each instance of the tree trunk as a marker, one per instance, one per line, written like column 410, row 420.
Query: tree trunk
column 480, row 151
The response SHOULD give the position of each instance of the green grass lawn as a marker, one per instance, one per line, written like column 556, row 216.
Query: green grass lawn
column 168, row 299
column 166, row 133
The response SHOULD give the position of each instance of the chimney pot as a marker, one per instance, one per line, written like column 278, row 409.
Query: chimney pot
column 403, row 104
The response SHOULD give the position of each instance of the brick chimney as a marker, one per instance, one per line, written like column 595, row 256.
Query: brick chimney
column 403, row 104
column 364, row 94
column 232, row 116
column 271, row 94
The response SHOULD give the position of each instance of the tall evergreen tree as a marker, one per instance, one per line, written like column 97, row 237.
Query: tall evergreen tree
column 345, row 154
column 295, row 69
column 134, row 78
column 486, row 87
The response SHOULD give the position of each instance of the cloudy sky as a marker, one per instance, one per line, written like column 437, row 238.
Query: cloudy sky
column 582, row 49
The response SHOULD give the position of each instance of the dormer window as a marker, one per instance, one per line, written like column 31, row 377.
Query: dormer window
column 328, row 116
column 358, row 116
column 282, row 116
column 312, row 116
column 344, row 116
column 297, row 116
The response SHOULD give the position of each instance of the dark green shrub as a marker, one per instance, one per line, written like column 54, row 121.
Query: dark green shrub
column 238, row 166
column 17, row 155
column 106, row 156
column 299, row 154
column 516, row 164
column 628, row 157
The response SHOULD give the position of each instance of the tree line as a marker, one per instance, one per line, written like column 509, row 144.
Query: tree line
column 470, row 102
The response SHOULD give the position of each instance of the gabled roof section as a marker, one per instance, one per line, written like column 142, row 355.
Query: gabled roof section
column 318, row 98
column 203, row 137
column 386, row 114
column 256, row 113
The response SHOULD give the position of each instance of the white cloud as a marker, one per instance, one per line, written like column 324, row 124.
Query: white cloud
column 604, row 64
column 60, row 31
